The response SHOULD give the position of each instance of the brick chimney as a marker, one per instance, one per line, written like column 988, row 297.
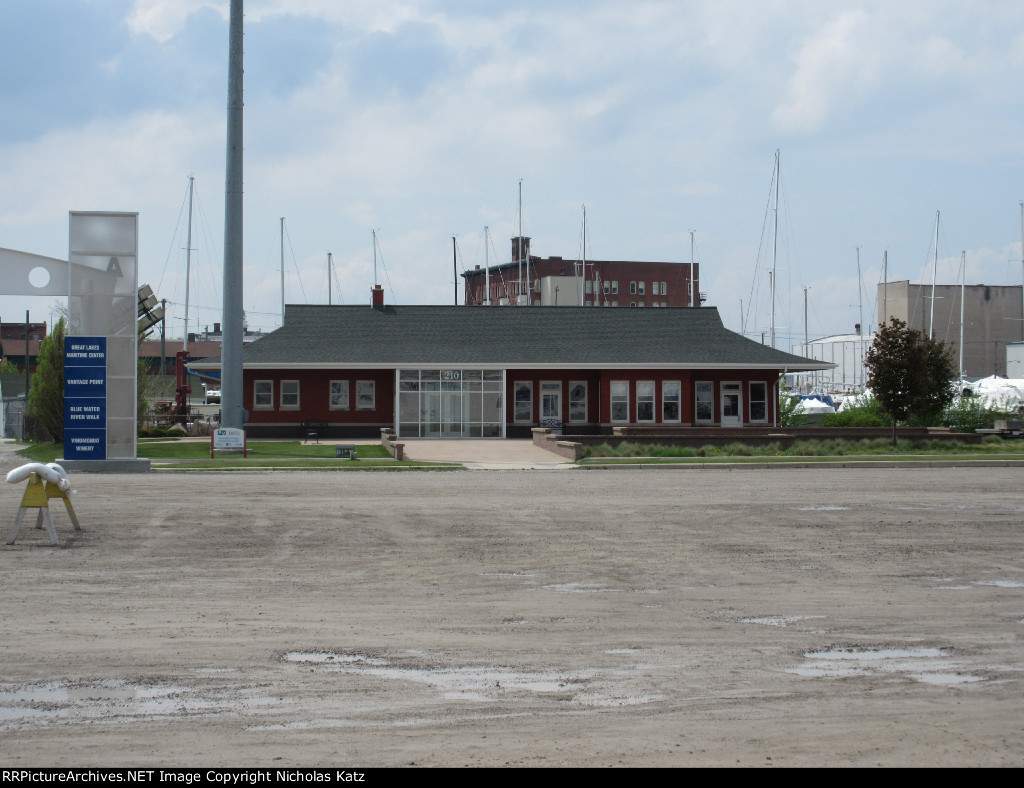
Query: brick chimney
column 378, row 297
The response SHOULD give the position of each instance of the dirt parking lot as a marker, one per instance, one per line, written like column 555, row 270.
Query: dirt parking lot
column 747, row 617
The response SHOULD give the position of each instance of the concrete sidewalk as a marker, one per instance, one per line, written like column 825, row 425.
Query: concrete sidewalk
column 483, row 453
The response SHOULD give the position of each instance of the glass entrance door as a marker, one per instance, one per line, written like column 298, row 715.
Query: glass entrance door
column 731, row 410
column 451, row 414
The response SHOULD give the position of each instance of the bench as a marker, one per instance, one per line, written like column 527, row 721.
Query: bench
column 313, row 430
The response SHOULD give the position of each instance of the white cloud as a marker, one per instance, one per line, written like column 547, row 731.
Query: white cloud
column 836, row 67
column 163, row 19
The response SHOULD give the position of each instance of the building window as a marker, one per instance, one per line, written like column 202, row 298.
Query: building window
column 664, row 289
column 590, row 287
column 289, row 395
column 578, row 402
column 607, row 287
column 263, row 395
column 759, row 402
column 615, row 303
column 615, row 287
column 632, row 288
column 639, row 288
column 339, row 395
column 524, row 401
column 705, row 402
column 366, row 395
column 620, row 400
column 654, row 288
column 670, row 395
column 645, row 400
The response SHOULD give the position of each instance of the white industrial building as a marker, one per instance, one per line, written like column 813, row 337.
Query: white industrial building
column 846, row 351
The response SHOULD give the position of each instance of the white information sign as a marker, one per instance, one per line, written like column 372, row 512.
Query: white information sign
column 228, row 438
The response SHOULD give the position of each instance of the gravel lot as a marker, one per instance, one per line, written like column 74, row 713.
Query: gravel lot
column 783, row 617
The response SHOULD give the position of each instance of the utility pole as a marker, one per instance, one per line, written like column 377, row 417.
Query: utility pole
column 232, row 414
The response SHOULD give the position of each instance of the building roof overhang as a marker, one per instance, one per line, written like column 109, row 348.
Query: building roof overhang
column 358, row 337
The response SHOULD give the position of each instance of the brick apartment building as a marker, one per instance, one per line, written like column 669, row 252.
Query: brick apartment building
column 556, row 281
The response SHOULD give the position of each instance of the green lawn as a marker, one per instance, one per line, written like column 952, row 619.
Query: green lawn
column 164, row 449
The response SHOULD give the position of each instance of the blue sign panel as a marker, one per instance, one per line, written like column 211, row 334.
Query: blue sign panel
column 85, row 398
column 85, row 444
column 85, row 413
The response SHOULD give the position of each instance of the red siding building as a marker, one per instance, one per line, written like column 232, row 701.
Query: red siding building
column 453, row 372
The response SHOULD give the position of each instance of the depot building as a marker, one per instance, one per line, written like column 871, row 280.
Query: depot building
column 477, row 372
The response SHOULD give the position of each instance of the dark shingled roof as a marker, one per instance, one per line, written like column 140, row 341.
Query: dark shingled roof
column 567, row 337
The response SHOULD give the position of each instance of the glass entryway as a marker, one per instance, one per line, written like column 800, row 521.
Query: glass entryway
column 451, row 403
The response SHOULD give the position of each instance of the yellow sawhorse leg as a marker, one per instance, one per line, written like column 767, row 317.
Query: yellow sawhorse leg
column 36, row 497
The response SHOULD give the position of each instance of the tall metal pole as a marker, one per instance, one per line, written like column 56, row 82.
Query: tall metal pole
column 188, row 258
column 232, row 414
column 455, row 271
column 329, row 266
column 1022, row 267
column 27, row 381
column 487, row 269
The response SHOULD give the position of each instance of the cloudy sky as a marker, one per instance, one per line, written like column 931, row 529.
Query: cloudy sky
column 420, row 120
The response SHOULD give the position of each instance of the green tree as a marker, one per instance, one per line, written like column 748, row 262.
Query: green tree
column 910, row 374
column 7, row 367
column 46, row 395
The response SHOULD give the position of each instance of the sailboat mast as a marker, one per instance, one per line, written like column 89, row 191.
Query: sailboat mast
column 375, row 282
column 963, row 278
column 885, row 288
column 775, row 242
column 519, row 246
column 583, row 295
column 693, row 286
column 806, row 350
column 188, row 257
column 935, row 268
column 282, row 270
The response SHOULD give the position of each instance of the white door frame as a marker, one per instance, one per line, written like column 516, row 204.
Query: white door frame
column 732, row 388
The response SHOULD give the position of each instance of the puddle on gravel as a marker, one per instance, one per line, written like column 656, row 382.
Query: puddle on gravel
column 486, row 684
column 973, row 583
column 927, row 665
column 56, row 702
column 777, row 621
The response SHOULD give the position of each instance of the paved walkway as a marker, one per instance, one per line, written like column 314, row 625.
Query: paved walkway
column 483, row 453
